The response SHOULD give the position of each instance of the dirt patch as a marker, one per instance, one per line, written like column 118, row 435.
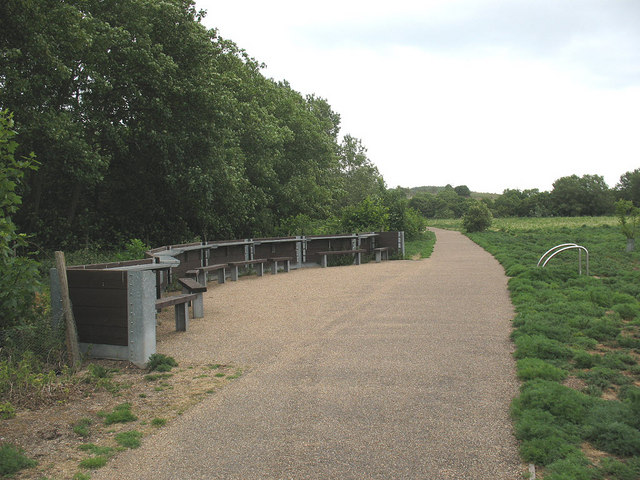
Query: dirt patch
column 47, row 435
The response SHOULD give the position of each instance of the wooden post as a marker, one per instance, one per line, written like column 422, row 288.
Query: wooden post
column 71, row 333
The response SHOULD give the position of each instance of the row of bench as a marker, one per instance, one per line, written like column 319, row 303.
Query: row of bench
column 194, row 286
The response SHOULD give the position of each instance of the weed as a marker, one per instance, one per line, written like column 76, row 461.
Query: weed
column 238, row 374
column 159, row 422
column 152, row 377
column 81, row 476
column 130, row 439
column 81, row 427
column 12, row 460
column 219, row 375
column 96, row 450
column 120, row 414
column 93, row 463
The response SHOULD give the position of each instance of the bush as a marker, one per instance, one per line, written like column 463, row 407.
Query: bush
column 161, row 363
column 478, row 218
column 130, row 439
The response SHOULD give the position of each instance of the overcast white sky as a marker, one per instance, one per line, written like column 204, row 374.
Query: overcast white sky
column 491, row 94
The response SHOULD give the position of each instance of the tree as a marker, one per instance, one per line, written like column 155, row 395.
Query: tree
column 628, row 188
column 463, row 191
column 478, row 217
column 20, row 278
column 575, row 196
column 629, row 219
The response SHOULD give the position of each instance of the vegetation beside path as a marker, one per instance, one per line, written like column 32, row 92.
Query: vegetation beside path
column 577, row 341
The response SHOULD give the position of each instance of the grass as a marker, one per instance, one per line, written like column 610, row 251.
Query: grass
column 81, row 427
column 161, row 363
column 12, row 460
column 421, row 247
column 120, row 414
column 583, row 327
column 130, row 439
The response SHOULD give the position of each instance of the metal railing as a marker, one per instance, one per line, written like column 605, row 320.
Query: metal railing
column 552, row 252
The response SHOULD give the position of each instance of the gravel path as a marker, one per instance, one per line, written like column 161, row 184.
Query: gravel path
column 381, row 371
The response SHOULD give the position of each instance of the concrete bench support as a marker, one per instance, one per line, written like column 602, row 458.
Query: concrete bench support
column 235, row 265
column 181, row 303
column 191, row 286
column 381, row 254
column 357, row 254
column 285, row 261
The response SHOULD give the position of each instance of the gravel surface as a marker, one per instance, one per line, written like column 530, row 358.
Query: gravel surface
column 397, row 370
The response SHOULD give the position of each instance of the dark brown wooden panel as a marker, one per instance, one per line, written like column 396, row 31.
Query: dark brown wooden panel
column 97, row 297
column 97, row 278
column 103, row 335
column 112, row 317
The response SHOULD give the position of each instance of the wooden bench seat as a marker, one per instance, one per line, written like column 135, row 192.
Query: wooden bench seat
column 189, row 285
column 381, row 252
column 356, row 252
column 285, row 261
column 235, row 265
column 201, row 274
column 181, row 303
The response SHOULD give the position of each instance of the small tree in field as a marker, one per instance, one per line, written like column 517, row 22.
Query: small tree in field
column 477, row 218
column 629, row 219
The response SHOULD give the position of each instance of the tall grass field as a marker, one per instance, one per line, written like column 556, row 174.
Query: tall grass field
column 577, row 340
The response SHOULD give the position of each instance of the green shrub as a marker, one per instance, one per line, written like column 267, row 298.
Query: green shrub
column 13, row 460
column 574, row 467
column 530, row 368
column 603, row 329
column 539, row 346
column 584, row 359
column 161, row 363
column 7, row 411
column 120, row 414
column 478, row 218
column 617, row 438
column 617, row 470
column 543, row 451
column 627, row 311
column 565, row 404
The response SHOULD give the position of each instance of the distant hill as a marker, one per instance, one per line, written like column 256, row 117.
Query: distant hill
column 435, row 190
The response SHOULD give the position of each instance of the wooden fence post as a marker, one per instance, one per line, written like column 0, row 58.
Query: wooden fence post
column 71, row 333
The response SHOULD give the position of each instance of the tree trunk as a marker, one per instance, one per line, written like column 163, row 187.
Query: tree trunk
column 631, row 244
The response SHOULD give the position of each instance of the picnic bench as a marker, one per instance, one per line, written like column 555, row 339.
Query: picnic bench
column 257, row 261
column 189, row 285
column 357, row 252
column 380, row 253
column 285, row 261
column 201, row 273
column 181, row 303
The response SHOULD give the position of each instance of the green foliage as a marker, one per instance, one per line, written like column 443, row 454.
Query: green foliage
column 539, row 346
column 370, row 215
column 130, row 439
column 13, row 460
column 7, row 411
column 477, row 218
column 161, row 363
column 617, row 470
column 134, row 249
column 19, row 281
column 120, row 414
